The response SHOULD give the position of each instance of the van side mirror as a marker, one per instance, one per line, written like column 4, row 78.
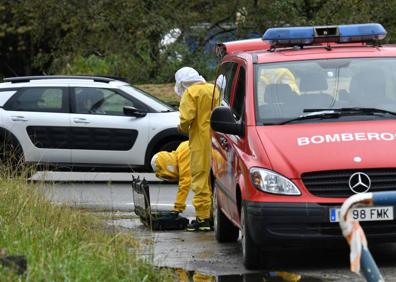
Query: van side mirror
column 222, row 120
column 132, row 111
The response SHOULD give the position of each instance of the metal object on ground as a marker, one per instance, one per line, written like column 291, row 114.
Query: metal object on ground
column 156, row 220
column 360, row 256
column 17, row 263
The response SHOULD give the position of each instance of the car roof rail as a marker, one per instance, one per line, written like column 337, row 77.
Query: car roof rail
column 39, row 77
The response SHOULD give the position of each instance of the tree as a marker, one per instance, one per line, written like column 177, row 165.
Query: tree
column 123, row 38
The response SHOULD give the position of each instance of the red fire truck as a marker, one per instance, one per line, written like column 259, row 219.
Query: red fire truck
column 307, row 119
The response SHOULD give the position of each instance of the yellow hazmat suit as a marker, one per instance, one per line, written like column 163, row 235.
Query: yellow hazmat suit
column 184, row 276
column 279, row 76
column 175, row 166
column 195, row 109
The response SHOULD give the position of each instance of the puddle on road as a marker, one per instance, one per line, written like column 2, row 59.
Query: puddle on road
column 183, row 252
column 189, row 276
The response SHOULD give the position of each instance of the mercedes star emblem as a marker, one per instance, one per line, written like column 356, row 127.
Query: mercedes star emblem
column 359, row 182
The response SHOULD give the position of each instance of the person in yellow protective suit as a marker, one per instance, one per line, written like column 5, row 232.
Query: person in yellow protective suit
column 195, row 109
column 279, row 76
column 175, row 166
column 185, row 276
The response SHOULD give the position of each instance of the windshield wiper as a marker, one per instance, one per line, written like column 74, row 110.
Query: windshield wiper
column 354, row 111
column 320, row 114
column 335, row 113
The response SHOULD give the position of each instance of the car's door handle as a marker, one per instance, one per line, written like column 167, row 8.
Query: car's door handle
column 80, row 120
column 18, row 118
column 223, row 142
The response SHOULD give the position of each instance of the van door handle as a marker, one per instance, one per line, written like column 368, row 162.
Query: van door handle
column 80, row 120
column 18, row 118
column 223, row 142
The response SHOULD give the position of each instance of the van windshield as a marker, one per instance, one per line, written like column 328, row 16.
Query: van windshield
column 288, row 90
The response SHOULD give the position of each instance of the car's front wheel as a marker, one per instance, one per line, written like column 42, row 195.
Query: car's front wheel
column 11, row 155
column 163, row 145
column 251, row 251
column 225, row 230
column 169, row 145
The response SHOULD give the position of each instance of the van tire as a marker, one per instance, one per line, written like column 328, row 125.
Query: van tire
column 251, row 251
column 225, row 230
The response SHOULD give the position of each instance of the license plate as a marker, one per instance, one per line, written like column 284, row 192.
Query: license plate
column 365, row 214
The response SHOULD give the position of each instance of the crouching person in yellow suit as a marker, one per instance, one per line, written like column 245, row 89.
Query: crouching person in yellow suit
column 175, row 166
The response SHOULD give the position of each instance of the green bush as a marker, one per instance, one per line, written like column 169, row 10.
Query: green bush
column 137, row 70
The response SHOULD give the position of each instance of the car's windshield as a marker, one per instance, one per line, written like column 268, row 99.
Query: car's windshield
column 284, row 90
column 148, row 99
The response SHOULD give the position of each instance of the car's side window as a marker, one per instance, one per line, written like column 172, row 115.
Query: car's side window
column 101, row 101
column 239, row 97
column 228, row 71
column 40, row 99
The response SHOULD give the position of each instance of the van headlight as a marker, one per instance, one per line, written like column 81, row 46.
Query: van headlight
column 271, row 182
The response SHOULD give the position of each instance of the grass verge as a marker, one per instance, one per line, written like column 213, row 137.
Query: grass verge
column 64, row 244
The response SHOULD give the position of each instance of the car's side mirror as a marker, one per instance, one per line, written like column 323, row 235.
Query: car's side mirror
column 132, row 111
column 222, row 120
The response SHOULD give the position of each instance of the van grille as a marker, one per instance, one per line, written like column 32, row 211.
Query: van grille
column 334, row 184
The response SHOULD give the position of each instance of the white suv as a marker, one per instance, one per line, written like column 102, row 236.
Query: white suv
column 83, row 121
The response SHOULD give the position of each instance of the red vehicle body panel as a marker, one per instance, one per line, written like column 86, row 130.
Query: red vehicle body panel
column 243, row 45
column 283, row 141
column 294, row 149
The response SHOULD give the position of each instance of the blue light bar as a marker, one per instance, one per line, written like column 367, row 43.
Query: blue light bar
column 361, row 32
column 285, row 36
column 291, row 36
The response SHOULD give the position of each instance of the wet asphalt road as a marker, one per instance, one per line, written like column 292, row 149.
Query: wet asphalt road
column 199, row 253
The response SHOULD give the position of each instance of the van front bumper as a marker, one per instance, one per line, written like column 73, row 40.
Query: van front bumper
column 305, row 222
